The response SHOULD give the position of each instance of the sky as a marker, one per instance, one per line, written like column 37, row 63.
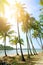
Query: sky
column 32, row 7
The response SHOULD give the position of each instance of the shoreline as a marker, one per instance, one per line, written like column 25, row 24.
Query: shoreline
column 20, row 54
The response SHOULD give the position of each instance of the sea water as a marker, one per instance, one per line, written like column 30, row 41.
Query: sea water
column 13, row 52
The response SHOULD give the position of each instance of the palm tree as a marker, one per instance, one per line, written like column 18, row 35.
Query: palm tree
column 2, row 3
column 35, row 35
column 23, row 59
column 14, row 42
column 41, row 20
column 37, row 26
column 33, row 26
column 39, row 30
column 5, row 31
column 42, row 39
column 34, row 51
column 25, row 28
column 18, row 14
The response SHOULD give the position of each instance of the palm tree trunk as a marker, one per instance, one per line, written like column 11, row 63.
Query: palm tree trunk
column 41, row 42
column 30, row 52
column 30, row 49
column 23, row 59
column 16, row 50
column 28, row 46
column 34, row 51
column 38, row 42
column 5, row 46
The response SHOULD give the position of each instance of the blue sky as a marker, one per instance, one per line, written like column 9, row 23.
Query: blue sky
column 32, row 7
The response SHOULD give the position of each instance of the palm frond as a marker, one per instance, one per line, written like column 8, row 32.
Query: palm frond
column 11, row 32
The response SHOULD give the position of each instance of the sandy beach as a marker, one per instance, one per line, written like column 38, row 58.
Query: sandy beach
column 35, row 59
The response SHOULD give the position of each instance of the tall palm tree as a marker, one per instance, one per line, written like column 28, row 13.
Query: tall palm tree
column 5, row 31
column 41, row 20
column 18, row 14
column 33, row 26
column 23, row 59
column 25, row 28
column 34, row 51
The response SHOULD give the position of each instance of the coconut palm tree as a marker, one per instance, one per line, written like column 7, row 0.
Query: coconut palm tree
column 25, row 28
column 5, row 31
column 14, row 42
column 32, row 27
column 34, row 50
column 23, row 59
column 37, row 26
column 41, row 20
column 18, row 15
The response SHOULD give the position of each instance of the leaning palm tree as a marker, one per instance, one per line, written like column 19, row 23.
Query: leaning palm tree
column 41, row 20
column 18, row 15
column 35, row 35
column 25, row 28
column 33, row 26
column 5, row 31
column 42, row 39
column 37, row 26
column 33, row 48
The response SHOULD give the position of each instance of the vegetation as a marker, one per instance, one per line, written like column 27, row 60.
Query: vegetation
column 5, row 31
column 20, row 11
column 7, row 47
column 31, row 27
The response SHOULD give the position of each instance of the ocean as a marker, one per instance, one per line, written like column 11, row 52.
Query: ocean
column 13, row 52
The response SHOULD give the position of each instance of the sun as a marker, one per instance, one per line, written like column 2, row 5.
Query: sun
column 9, row 14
